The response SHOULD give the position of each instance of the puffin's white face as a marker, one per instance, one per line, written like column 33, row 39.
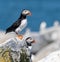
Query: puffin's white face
column 30, row 40
column 26, row 12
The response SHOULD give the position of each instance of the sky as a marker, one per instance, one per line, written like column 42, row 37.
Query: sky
column 42, row 10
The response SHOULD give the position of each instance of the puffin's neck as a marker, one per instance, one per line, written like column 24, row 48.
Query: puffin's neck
column 28, row 44
column 22, row 17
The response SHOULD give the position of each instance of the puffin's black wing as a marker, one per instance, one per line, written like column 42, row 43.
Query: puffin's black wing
column 13, row 26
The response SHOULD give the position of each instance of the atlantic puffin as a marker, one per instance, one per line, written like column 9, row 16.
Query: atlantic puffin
column 20, row 24
column 29, row 41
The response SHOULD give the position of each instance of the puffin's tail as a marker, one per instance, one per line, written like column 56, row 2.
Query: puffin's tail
column 4, row 37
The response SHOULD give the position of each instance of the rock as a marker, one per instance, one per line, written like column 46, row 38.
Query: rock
column 52, row 57
column 47, row 50
column 13, row 49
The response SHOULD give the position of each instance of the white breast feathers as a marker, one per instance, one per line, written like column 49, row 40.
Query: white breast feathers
column 22, row 25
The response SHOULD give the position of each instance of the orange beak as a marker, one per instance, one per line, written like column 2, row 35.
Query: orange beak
column 33, row 41
column 29, row 13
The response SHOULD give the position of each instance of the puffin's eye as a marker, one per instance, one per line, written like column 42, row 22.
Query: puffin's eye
column 25, row 11
column 30, row 38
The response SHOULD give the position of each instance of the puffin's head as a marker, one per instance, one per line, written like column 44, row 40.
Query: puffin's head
column 26, row 12
column 29, row 41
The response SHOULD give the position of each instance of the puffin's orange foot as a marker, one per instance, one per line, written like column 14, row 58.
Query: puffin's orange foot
column 20, row 36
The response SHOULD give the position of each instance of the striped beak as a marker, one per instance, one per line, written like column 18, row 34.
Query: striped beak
column 29, row 13
column 33, row 41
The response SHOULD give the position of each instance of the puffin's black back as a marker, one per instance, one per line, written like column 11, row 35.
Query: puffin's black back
column 13, row 26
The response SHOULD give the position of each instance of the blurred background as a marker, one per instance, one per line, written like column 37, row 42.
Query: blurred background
column 42, row 10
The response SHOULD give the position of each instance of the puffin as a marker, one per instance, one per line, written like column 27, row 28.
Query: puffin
column 20, row 24
column 29, row 41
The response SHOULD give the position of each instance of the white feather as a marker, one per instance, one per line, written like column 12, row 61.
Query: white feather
column 22, row 25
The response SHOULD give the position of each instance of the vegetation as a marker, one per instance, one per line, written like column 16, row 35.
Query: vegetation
column 5, row 56
column 24, row 57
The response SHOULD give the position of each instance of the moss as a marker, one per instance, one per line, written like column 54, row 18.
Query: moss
column 5, row 55
column 23, row 56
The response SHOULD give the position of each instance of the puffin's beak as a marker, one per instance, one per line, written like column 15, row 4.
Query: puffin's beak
column 33, row 41
column 29, row 13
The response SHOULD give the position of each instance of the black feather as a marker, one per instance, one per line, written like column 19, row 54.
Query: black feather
column 16, row 24
column 13, row 26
